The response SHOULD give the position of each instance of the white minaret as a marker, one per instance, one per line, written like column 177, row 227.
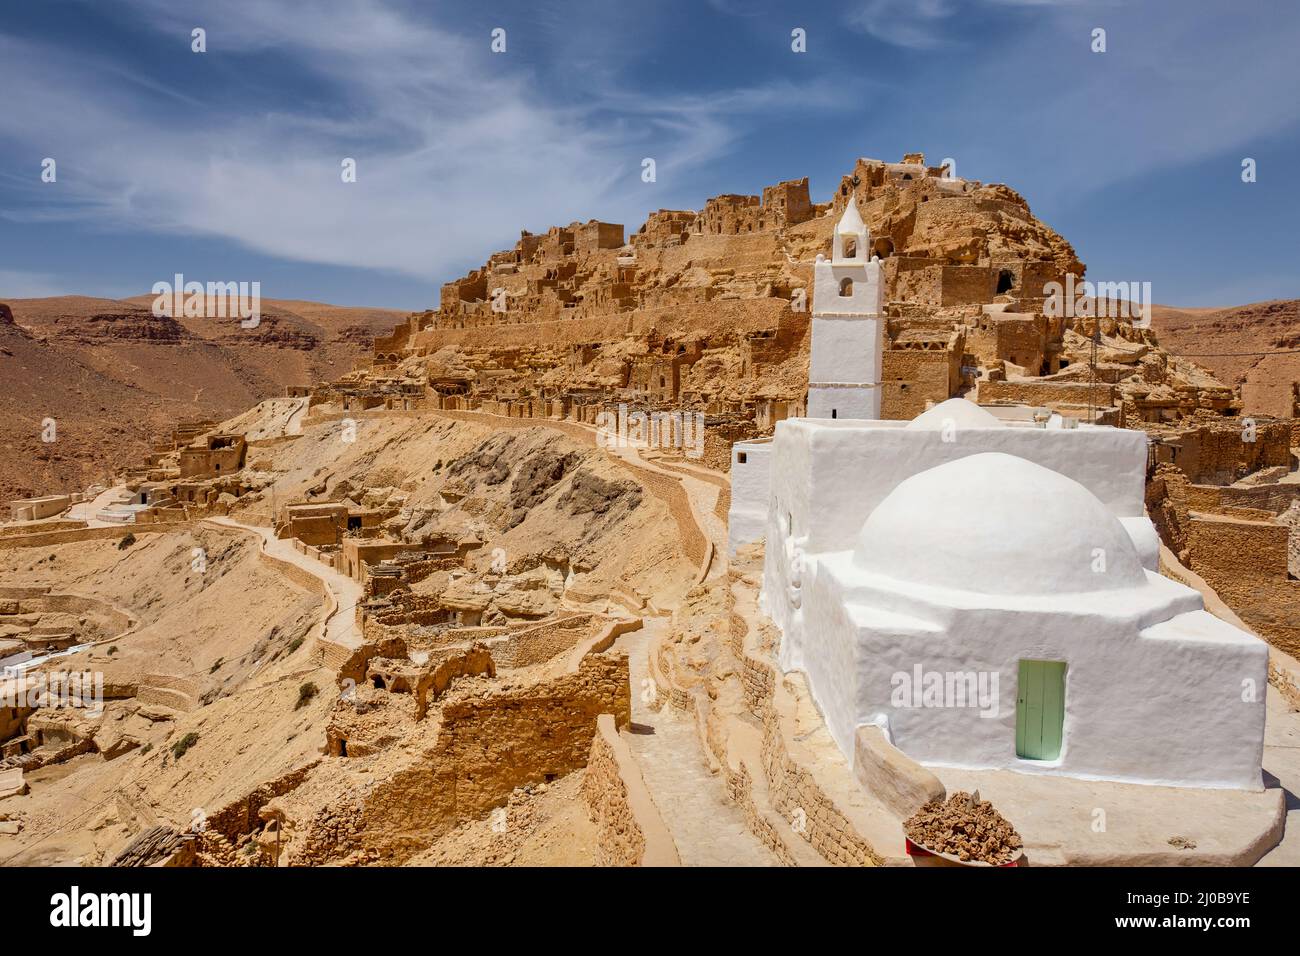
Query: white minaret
column 847, row 315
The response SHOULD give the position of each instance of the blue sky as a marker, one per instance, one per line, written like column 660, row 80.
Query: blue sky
column 225, row 165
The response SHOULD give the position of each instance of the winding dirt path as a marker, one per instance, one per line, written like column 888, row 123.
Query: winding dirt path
column 707, row 829
column 341, row 628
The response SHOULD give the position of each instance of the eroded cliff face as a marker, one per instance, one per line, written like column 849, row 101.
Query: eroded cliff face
column 1254, row 348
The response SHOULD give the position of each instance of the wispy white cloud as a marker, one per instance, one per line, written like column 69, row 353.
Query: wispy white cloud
column 926, row 24
column 1166, row 94
column 915, row 24
column 456, row 148
column 1180, row 82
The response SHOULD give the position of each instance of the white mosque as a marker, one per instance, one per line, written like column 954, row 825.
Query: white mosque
column 984, row 588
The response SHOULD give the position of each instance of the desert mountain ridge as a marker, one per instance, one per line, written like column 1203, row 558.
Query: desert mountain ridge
column 112, row 375
column 1254, row 348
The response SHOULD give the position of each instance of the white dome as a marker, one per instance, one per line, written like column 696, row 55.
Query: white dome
column 997, row 524
column 960, row 412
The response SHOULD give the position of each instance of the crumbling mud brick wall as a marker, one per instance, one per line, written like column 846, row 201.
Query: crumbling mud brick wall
column 1246, row 564
column 1237, row 541
column 1223, row 452
column 476, row 660
column 487, row 745
column 718, row 440
column 911, row 378
column 353, row 668
column 218, row 832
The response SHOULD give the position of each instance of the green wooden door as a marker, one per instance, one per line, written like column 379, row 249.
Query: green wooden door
column 1040, row 710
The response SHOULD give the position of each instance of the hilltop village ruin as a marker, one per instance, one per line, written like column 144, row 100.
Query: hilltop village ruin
column 422, row 613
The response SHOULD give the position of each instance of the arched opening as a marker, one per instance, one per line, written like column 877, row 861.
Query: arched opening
column 378, row 682
column 846, row 288
column 1006, row 280
column 883, row 247
column 907, row 177
column 850, row 248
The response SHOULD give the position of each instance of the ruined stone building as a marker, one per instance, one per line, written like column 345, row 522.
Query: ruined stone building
column 710, row 310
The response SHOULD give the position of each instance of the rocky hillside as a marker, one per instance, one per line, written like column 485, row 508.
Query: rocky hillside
column 111, row 374
column 1217, row 339
column 708, row 311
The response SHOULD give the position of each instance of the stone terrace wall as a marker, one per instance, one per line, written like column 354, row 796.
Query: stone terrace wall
column 1049, row 393
column 533, row 645
column 299, row 576
column 168, row 690
column 791, row 787
column 670, row 491
column 26, row 527
column 585, row 436
column 42, row 599
column 629, row 827
column 50, row 538
column 1271, row 498
column 782, row 786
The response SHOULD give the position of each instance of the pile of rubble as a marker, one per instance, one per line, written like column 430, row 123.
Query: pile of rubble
column 966, row 827
column 158, row 845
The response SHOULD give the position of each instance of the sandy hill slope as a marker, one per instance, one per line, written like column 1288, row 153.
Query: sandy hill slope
column 1227, row 340
column 190, row 666
column 111, row 374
